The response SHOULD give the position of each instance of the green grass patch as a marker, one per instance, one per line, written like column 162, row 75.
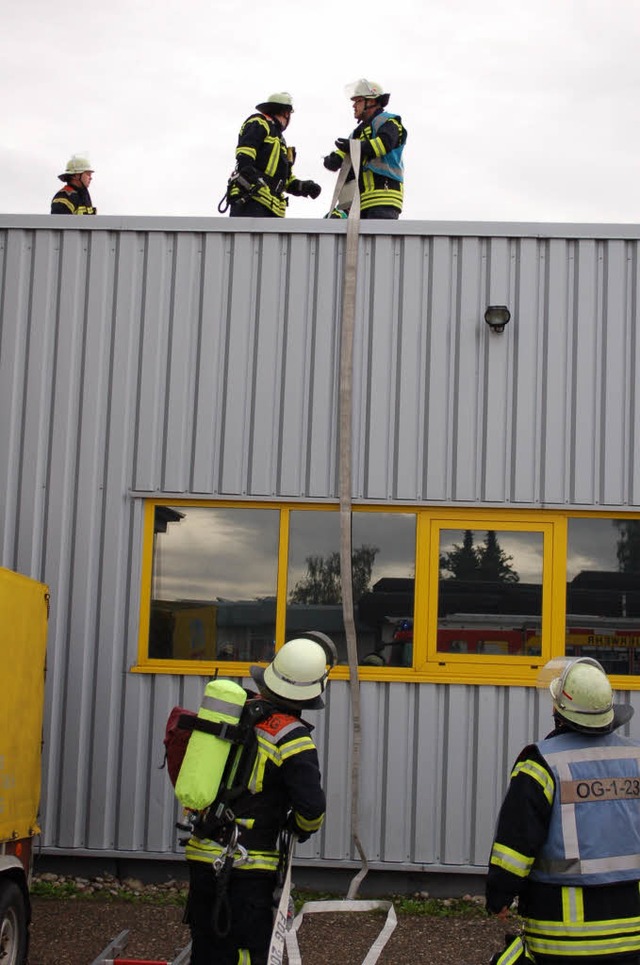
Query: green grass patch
column 408, row 904
column 110, row 890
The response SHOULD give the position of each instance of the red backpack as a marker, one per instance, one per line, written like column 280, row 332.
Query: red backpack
column 176, row 737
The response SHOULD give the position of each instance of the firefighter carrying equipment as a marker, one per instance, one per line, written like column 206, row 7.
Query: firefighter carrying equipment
column 206, row 755
column 381, row 181
column 282, row 751
column 582, row 695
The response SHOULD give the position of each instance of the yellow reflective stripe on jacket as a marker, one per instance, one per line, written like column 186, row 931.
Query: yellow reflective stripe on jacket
column 572, row 904
column 388, row 196
column 274, row 157
column 582, row 947
column 205, row 850
column 310, row 826
column 268, row 750
column 244, row 957
column 376, row 143
column 66, row 203
column 538, row 773
column 575, row 936
column 291, row 748
column 271, row 201
column 247, row 151
column 512, row 861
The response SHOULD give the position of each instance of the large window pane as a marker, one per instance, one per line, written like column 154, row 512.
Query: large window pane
column 490, row 592
column 603, row 592
column 214, row 583
column 383, row 547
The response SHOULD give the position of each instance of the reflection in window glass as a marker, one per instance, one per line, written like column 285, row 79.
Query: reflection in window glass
column 490, row 592
column 214, row 583
column 603, row 592
column 383, row 547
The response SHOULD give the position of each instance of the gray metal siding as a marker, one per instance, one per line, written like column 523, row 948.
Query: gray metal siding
column 201, row 358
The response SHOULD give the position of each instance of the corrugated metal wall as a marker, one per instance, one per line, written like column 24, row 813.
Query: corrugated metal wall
column 200, row 358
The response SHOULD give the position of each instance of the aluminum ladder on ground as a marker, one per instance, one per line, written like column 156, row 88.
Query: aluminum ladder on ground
column 111, row 954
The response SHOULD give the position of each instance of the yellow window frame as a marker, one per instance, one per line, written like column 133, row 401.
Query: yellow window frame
column 488, row 668
column 429, row 665
column 203, row 668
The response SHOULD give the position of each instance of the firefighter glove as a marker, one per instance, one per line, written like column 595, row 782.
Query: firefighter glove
column 333, row 162
column 343, row 144
column 310, row 189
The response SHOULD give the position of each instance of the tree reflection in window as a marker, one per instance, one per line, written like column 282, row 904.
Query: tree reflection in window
column 484, row 604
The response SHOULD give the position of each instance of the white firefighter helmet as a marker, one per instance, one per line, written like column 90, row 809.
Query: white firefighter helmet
column 583, row 697
column 369, row 89
column 282, row 101
column 77, row 164
column 298, row 673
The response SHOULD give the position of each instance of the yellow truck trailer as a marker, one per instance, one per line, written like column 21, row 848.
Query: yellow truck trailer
column 24, row 606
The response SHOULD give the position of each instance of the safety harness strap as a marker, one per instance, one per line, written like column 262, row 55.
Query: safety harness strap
column 230, row 732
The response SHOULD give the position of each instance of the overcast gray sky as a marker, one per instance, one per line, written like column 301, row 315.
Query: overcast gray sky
column 518, row 110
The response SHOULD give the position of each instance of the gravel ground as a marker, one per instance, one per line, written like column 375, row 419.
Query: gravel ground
column 74, row 931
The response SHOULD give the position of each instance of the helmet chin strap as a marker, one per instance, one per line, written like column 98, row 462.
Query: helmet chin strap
column 370, row 107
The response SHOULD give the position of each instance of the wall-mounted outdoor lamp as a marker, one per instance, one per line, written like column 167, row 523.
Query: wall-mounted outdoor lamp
column 496, row 317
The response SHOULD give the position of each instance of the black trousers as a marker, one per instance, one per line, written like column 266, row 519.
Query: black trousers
column 250, row 916
column 382, row 211
column 249, row 209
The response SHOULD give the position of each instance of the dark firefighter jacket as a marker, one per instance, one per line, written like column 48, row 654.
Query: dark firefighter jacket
column 285, row 776
column 262, row 152
column 72, row 200
column 596, row 922
column 382, row 175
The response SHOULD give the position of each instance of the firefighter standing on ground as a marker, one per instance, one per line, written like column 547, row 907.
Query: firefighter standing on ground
column 568, row 837
column 284, row 789
column 383, row 136
column 264, row 164
column 74, row 197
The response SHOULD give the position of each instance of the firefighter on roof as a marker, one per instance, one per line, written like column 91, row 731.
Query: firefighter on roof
column 231, row 916
column 383, row 136
column 74, row 197
column 567, row 843
column 264, row 164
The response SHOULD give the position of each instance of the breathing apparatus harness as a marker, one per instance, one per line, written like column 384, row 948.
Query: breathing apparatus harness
column 217, row 821
column 246, row 187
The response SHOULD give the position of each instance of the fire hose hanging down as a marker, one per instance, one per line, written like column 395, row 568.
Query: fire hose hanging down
column 349, row 285
column 345, row 409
